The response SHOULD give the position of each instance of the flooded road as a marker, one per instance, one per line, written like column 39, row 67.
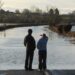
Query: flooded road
column 61, row 51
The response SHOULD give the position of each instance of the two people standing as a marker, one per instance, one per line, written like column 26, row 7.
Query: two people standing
column 30, row 44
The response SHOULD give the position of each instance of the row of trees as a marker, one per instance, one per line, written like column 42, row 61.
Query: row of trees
column 27, row 16
column 56, row 18
column 51, row 17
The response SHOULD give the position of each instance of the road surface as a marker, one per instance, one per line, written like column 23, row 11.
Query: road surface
column 36, row 72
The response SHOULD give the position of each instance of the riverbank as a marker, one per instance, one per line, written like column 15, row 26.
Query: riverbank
column 68, row 34
column 5, row 26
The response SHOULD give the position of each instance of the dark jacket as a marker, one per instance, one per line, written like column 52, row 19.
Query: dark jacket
column 29, row 42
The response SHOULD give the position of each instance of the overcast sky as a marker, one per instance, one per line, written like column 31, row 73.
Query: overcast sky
column 63, row 5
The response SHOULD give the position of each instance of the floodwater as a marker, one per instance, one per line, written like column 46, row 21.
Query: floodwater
column 60, row 49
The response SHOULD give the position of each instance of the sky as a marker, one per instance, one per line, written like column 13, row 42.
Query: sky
column 64, row 6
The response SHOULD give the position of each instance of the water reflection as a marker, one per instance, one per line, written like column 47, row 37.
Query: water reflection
column 72, row 40
column 3, row 33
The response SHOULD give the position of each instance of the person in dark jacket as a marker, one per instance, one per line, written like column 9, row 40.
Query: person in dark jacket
column 30, row 44
column 42, row 47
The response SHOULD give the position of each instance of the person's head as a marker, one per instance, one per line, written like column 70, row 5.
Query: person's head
column 44, row 35
column 30, row 31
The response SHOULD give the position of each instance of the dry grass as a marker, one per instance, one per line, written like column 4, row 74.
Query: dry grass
column 69, row 34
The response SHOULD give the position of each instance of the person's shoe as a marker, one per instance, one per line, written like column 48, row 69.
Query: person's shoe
column 44, row 69
column 30, row 69
column 40, row 69
column 26, row 69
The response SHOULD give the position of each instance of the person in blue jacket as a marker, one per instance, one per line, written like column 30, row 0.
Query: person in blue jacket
column 42, row 47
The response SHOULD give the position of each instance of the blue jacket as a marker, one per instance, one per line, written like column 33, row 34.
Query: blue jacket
column 42, row 44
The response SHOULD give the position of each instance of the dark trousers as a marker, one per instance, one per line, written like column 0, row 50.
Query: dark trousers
column 29, row 59
column 42, row 59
